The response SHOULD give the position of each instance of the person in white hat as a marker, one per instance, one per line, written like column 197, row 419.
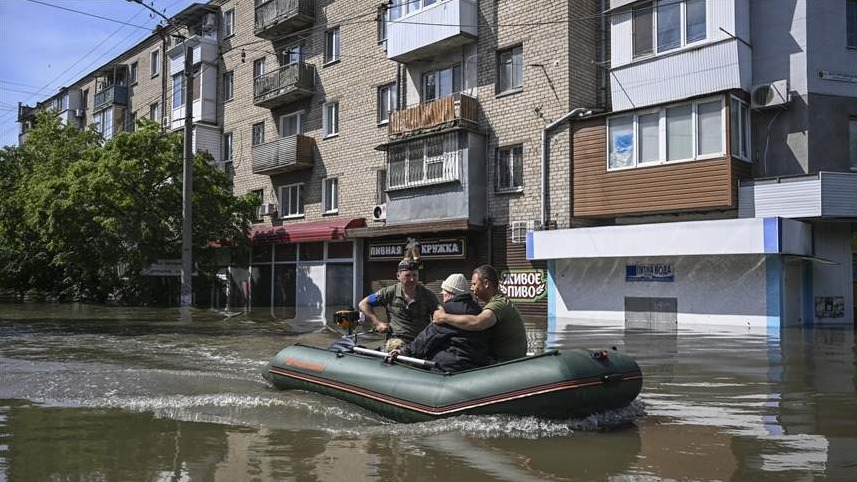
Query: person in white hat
column 451, row 348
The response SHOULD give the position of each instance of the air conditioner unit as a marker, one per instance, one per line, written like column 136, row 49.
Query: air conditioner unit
column 519, row 229
column 267, row 209
column 379, row 212
column 165, row 121
column 770, row 95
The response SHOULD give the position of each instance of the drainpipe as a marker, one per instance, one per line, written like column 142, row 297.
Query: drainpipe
column 578, row 112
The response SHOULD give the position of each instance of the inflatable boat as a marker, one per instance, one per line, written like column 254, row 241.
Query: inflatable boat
column 557, row 384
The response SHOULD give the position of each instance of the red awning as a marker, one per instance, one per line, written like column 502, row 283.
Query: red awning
column 304, row 232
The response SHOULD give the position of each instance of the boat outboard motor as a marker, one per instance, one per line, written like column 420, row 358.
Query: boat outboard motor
column 347, row 319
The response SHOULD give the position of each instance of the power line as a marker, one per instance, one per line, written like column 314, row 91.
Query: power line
column 89, row 14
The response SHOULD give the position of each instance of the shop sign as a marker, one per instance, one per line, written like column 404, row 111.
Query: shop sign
column 523, row 285
column 165, row 267
column 649, row 272
column 429, row 249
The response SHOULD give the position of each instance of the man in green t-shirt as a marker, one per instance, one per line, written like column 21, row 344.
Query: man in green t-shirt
column 409, row 305
column 506, row 333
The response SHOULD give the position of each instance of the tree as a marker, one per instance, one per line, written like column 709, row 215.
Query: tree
column 93, row 214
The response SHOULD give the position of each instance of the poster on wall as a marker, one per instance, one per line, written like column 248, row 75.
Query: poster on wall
column 523, row 285
column 829, row 306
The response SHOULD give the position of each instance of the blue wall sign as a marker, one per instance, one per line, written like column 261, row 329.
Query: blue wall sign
column 649, row 272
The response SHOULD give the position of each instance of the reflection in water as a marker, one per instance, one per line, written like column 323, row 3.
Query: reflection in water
column 93, row 386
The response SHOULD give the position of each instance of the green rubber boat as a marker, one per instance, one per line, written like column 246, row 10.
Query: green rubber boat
column 556, row 384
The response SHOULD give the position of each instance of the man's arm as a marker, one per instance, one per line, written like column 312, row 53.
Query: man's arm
column 367, row 307
column 479, row 322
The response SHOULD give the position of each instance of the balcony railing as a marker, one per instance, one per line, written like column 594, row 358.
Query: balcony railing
column 113, row 95
column 285, row 154
column 434, row 115
column 277, row 18
column 284, row 85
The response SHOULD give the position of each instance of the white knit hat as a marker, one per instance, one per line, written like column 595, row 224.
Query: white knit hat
column 456, row 284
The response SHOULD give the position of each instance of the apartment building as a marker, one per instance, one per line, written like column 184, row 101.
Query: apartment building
column 361, row 126
column 720, row 188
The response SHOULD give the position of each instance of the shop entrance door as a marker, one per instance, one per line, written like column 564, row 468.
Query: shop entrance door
column 309, row 304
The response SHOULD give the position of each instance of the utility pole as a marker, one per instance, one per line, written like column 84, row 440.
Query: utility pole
column 187, row 171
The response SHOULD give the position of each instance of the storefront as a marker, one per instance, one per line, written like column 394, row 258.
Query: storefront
column 303, row 271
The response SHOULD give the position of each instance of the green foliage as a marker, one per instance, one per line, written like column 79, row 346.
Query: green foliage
column 82, row 218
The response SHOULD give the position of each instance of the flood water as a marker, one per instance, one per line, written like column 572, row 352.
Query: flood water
column 95, row 393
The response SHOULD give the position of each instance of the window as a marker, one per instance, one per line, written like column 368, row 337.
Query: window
column 229, row 23
column 400, row 8
column 178, row 90
column 432, row 160
column 331, row 119
column 510, row 66
column 292, row 200
column 259, row 194
column 382, row 25
column 441, row 83
column 132, row 74
column 386, row 102
column 291, row 124
column 84, row 99
column 292, row 55
column 258, row 67
column 852, row 142
column 258, row 133
column 740, row 129
column 155, row 112
column 104, row 123
column 227, row 147
column 330, row 195
column 679, row 132
column 331, row 45
column 665, row 25
column 132, row 122
column 851, row 23
column 510, row 168
column 228, row 85
column 155, row 62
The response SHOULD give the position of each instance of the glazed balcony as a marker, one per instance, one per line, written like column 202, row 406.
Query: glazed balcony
column 432, row 30
column 438, row 114
column 284, row 85
column 283, row 155
column 278, row 18
column 110, row 96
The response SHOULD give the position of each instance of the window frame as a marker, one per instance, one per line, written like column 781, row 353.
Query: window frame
column 517, row 69
column 299, row 116
column 330, row 109
column 284, row 199
column 387, row 94
column 228, row 85
column 438, row 94
column 155, row 63
column 330, row 195
column 133, row 72
column 155, row 109
column 257, row 134
column 178, row 91
column 228, row 146
column 512, row 167
column 228, row 19
column 258, row 67
column 407, row 159
column 332, row 45
column 852, row 142
column 285, row 56
column 744, row 127
column 851, row 24
column 663, row 142
column 649, row 15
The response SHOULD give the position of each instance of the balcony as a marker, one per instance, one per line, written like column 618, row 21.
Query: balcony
column 110, row 96
column 284, row 85
column 278, row 18
column 283, row 155
column 436, row 115
column 825, row 195
column 432, row 30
